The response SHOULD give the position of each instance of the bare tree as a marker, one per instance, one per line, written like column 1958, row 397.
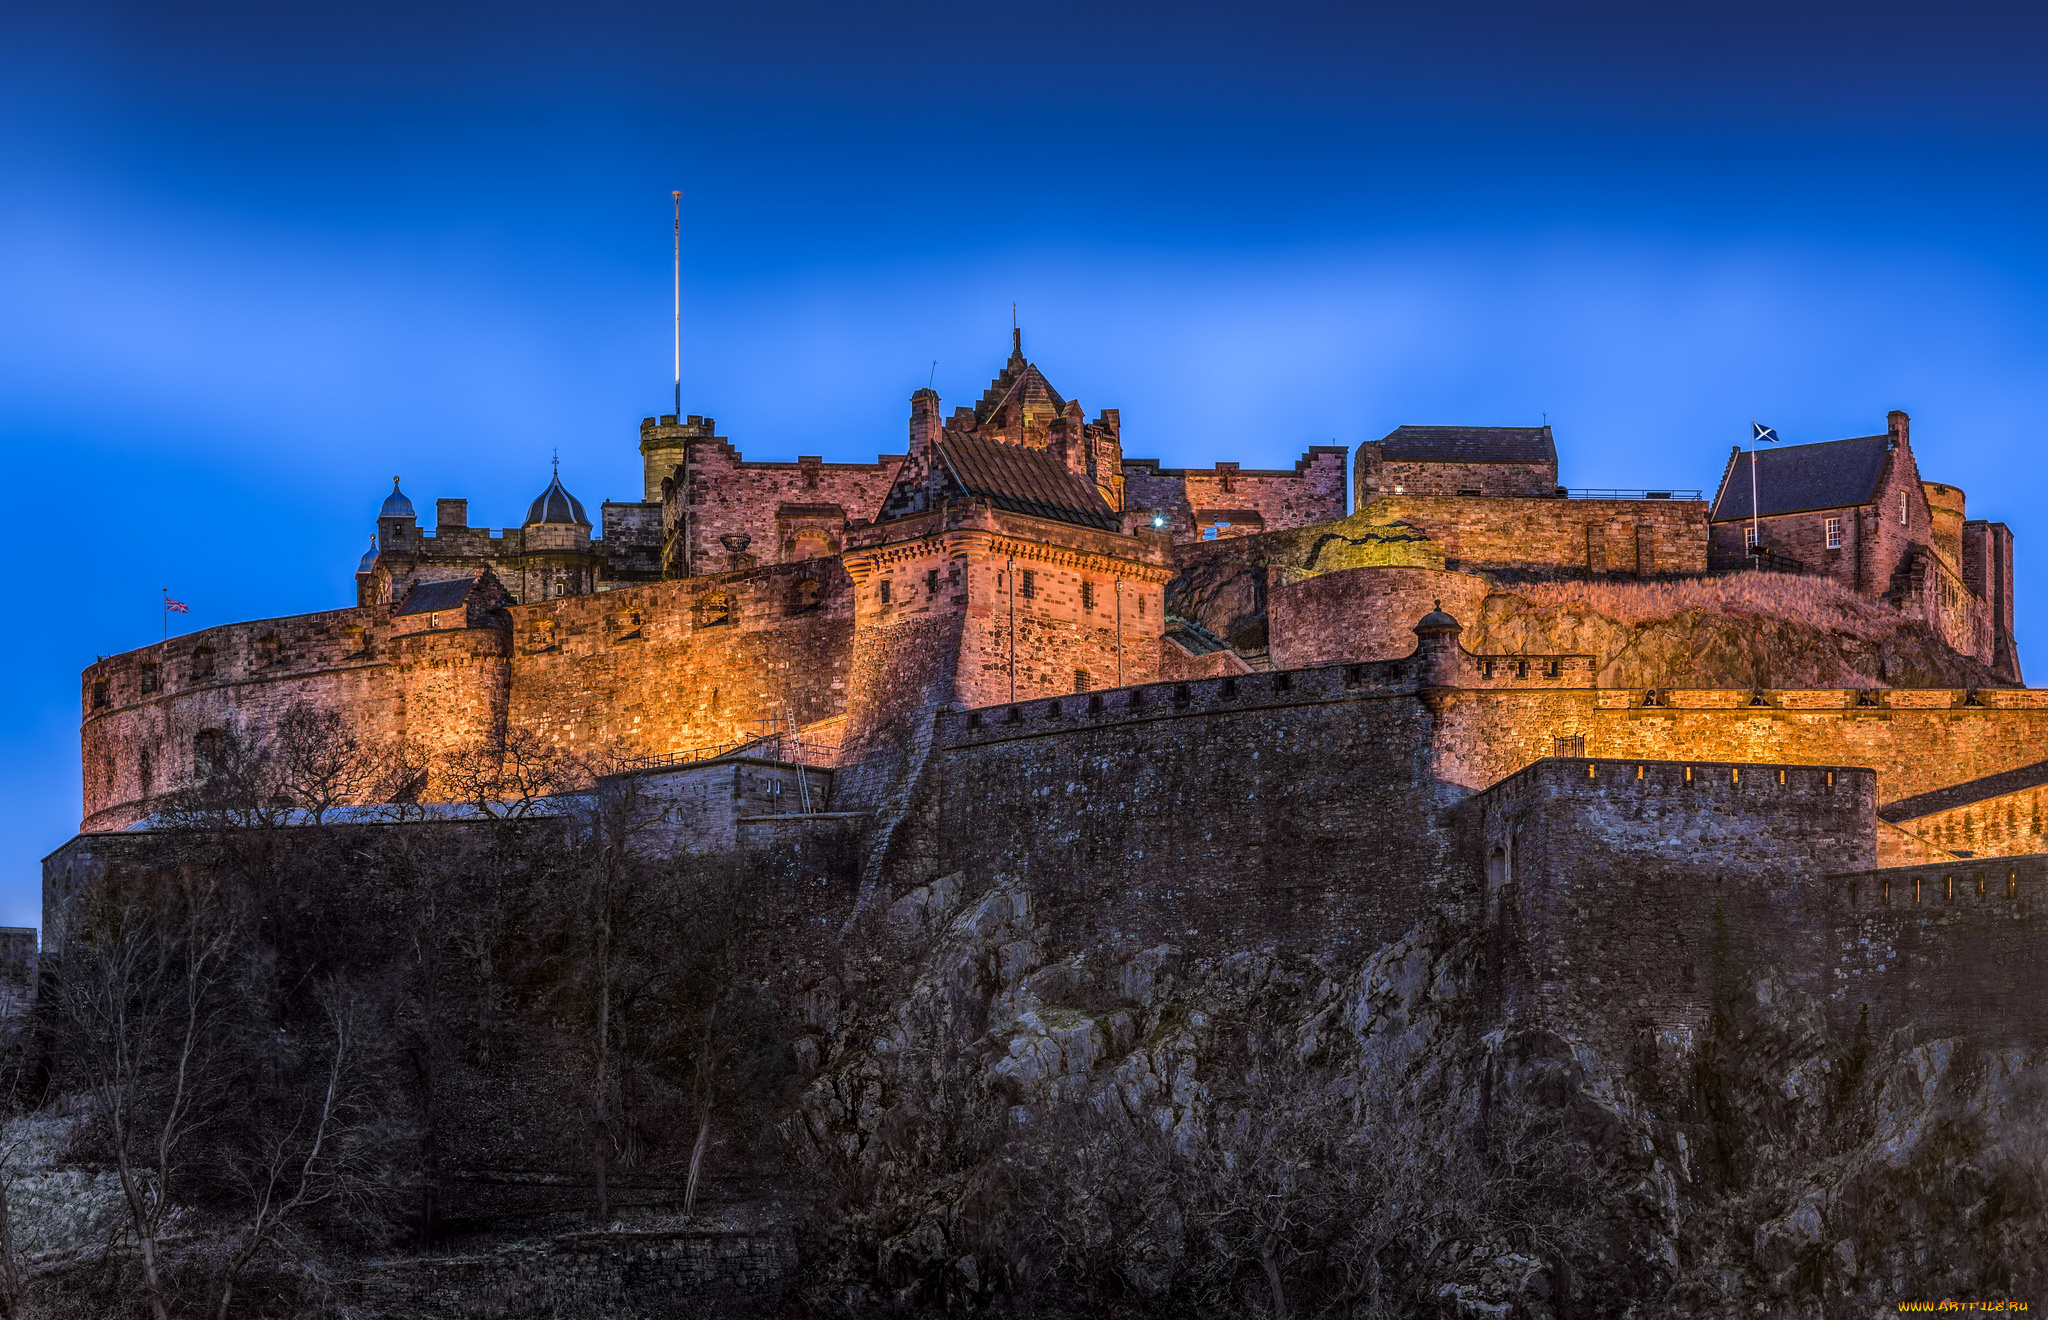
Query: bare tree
column 144, row 994
column 321, row 762
column 506, row 776
column 306, row 1151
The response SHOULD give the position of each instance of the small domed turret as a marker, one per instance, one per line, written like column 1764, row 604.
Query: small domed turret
column 396, row 505
column 556, row 505
column 1436, row 621
column 369, row 560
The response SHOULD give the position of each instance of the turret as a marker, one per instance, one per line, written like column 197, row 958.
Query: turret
column 1436, row 650
column 397, row 525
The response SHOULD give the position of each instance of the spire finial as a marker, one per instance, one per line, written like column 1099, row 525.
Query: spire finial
column 557, row 461
column 1439, row 602
column 394, row 484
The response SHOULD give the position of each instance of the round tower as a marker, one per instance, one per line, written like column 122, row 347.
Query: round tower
column 1436, row 650
column 556, row 557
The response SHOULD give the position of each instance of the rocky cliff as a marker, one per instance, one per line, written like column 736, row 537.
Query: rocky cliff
column 1015, row 1120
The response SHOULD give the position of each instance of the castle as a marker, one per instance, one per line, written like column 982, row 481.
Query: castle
column 1191, row 711
column 1013, row 553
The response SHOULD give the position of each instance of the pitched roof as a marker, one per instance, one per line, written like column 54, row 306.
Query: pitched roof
column 1964, row 794
column 426, row 597
column 1835, row 474
column 1470, row 444
column 1019, row 384
column 1024, row 480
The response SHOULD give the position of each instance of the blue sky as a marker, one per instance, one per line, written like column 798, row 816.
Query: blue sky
column 254, row 259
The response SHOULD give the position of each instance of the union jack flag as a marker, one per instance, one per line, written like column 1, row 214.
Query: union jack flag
column 175, row 606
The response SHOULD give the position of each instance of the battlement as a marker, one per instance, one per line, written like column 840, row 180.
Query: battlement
column 2009, row 886
column 1147, row 702
column 1746, row 783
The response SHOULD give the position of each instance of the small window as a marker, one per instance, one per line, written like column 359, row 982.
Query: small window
column 1028, row 589
column 1834, row 531
column 931, row 582
column 100, row 700
column 152, row 679
column 1467, row 491
column 885, row 593
column 208, row 750
column 1081, row 681
column 1141, row 604
column 714, row 610
column 1087, row 594
column 1750, row 534
column 805, row 597
column 202, row 663
column 1902, row 508
column 433, row 620
column 267, row 650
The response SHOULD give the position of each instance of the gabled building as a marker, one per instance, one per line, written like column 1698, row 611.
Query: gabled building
column 1857, row 511
column 1513, row 461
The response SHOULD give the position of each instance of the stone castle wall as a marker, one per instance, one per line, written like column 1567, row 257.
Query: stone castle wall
column 785, row 510
column 1557, row 537
column 1264, row 808
column 1917, row 741
column 670, row 667
column 436, row 689
column 1950, row 949
column 1194, row 498
column 1619, row 892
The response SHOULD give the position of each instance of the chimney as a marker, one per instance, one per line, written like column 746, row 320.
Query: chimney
column 1074, row 441
column 925, row 426
column 450, row 513
column 1899, row 426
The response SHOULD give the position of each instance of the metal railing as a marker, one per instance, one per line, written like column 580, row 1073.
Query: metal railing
column 775, row 743
column 1611, row 493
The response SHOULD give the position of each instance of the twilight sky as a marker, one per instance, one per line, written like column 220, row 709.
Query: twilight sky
column 255, row 258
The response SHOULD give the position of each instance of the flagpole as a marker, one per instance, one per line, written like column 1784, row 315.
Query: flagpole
column 678, row 196
column 1756, row 523
column 167, row 614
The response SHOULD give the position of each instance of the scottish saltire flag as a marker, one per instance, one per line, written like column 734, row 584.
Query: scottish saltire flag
column 1763, row 434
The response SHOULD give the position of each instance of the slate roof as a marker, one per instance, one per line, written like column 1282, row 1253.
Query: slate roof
column 1470, row 444
column 556, row 505
column 1024, row 480
column 396, row 505
column 426, row 597
column 1835, row 474
column 1962, row 795
column 1019, row 384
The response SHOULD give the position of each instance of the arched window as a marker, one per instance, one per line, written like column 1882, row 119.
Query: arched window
column 804, row 595
column 809, row 545
column 715, row 610
column 209, row 750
